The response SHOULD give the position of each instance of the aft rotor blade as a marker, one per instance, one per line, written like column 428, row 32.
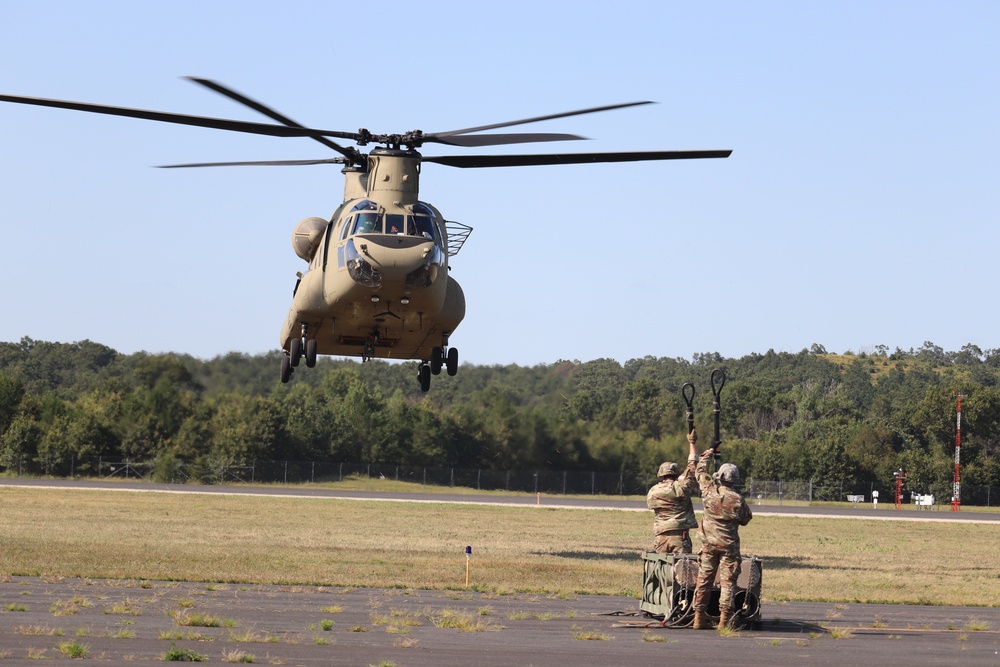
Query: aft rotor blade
column 272, row 114
column 475, row 140
column 468, row 161
column 536, row 119
column 180, row 119
column 259, row 163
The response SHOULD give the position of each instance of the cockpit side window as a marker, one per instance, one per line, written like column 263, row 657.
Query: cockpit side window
column 425, row 222
column 423, row 226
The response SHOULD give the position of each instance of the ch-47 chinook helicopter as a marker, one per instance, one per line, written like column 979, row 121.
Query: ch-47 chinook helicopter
column 378, row 282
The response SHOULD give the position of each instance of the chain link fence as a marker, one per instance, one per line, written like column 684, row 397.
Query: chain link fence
column 550, row 482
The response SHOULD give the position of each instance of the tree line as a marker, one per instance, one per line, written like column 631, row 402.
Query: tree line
column 811, row 415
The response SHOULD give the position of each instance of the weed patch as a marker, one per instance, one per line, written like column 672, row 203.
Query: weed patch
column 74, row 649
column 176, row 654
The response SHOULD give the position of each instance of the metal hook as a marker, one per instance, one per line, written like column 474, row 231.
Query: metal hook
column 687, row 391
column 689, row 400
column 721, row 375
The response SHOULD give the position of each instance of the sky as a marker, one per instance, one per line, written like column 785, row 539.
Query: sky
column 858, row 208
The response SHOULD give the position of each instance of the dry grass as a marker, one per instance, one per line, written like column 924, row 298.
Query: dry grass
column 329, row 542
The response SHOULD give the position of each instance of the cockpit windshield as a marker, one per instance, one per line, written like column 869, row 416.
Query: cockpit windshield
column 394, row 223
column 367, row 223
column 366, row 218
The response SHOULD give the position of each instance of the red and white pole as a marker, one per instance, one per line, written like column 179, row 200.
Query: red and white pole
column 900, row 476
column 956, row 494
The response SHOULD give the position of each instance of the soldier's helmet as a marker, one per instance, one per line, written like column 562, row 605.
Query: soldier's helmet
column 727, row 474
column 668, row 468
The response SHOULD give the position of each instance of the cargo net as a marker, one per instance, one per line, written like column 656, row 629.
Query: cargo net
column 668, row 584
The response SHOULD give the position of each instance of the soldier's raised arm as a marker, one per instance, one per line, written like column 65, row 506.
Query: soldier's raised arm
column 689, row 478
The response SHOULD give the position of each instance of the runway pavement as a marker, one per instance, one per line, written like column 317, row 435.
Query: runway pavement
column 120, row 622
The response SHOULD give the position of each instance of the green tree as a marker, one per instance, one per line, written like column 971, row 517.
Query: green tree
column 243, row 428
column 19, row 443
column 643, row 408
column 11, row 393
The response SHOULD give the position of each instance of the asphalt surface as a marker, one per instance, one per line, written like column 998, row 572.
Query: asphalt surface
column 119, row 622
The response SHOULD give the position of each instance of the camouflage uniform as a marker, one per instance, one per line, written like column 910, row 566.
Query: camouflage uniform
column 670, row 501
column 725, row 511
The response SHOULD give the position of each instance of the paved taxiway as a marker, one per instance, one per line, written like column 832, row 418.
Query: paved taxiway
column 120, row 622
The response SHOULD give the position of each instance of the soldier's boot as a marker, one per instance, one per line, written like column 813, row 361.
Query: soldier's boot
column 726, row 607
column 701, row 620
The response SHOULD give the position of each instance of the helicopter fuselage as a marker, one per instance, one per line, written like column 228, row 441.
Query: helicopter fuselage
column 377, row 284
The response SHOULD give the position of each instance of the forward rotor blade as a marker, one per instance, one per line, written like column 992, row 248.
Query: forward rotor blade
column 179, row 119
column 258, row 163
column 272, row 114
column 469, row 161
column 536, row 119
column 475, row 140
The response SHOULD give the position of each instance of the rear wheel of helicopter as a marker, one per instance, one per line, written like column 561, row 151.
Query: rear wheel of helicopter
column 311, row 352
column 424, row 377
column 452, row 361
column 437, row 360
column 286, row 368
column 295, row 351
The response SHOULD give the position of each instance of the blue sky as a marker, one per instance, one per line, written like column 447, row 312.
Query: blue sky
column 859, row 207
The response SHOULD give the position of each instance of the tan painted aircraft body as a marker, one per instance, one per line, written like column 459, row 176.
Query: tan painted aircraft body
column 377, row 282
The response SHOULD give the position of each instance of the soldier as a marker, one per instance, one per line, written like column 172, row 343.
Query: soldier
column 724, row 512
column 670, row 500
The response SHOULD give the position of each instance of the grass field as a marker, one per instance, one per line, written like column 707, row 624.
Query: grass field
column 321, row 541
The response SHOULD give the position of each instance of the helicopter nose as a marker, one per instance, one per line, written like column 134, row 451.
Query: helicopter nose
column 373, row 262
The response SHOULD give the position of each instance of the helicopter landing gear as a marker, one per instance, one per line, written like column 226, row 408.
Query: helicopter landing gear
column 441, row 357
column 449, row 360
column 424, row 376
column 302, row 344
column 369, row 352
column 286, row 368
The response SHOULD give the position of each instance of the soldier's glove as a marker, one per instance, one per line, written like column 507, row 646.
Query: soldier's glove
column 692, row 437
